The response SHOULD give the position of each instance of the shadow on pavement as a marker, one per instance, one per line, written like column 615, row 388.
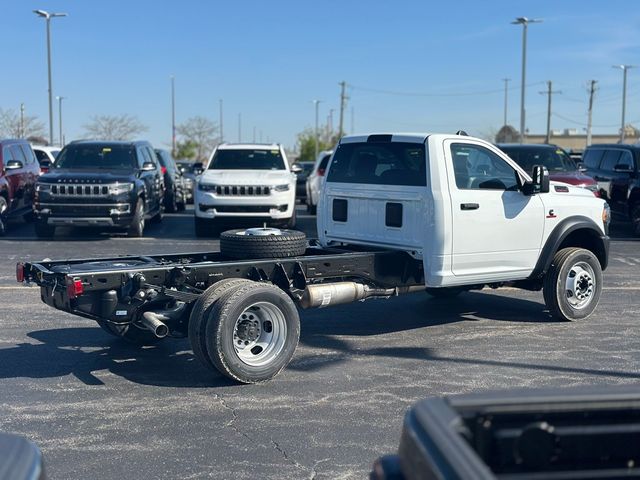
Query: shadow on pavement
column 82, row 351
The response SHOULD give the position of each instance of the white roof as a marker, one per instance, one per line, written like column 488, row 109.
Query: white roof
column 248, row 146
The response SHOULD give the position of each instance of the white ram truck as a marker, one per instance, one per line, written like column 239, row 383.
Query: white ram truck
column 398, row 213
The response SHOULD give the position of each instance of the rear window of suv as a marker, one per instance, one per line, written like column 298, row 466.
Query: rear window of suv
column 103, row 157
column 394, row 163
column 247, row 159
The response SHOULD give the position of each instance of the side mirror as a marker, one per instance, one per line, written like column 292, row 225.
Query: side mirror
column 622, row 168
column 540, row 176
column 148, row 166
column 539, row 182
column 581, row 167
column 296, row 168
column 13, row 165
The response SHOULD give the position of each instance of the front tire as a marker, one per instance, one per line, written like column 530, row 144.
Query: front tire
column 635, row 219
column 573, row 284
column 252, row 332
column 4, row 207
column 136, row 229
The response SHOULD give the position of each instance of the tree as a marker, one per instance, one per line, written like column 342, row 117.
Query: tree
column 307, row 144
column 202, row 134
column 114, row 127
column 10, row 125
column 186, row 150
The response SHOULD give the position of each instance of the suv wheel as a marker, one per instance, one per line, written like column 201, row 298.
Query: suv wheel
column 136, row 229
column 44, row 230
column 3, row 210
column 171, row 204
column 635, row 218
column 573, row 284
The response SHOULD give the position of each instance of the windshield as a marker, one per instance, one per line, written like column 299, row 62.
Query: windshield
column 556, row 160
column 249, row 159
column 103, row 157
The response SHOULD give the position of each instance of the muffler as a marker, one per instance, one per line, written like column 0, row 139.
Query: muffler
column 338, row 293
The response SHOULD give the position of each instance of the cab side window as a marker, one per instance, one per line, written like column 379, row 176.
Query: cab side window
column 477, row 168
column 592, row 157
column 610, row 160
column 18, row 154
column 626, row 161
column 143, row 156
column 29, row 154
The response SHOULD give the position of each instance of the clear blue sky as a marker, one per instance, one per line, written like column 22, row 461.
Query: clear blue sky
column 269, row 59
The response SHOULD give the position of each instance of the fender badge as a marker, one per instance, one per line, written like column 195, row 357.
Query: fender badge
column 551, row 214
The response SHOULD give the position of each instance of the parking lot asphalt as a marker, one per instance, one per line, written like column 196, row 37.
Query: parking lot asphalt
column 100, row 408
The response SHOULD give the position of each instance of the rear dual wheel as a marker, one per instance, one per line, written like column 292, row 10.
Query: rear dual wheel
column 246, row 330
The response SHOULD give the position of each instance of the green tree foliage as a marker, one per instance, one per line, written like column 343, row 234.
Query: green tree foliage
column 307, row 144
column 186, row 150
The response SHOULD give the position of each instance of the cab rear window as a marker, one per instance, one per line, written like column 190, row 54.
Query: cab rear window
column 394, row 163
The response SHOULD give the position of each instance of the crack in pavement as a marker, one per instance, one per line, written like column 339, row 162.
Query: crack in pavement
column 314, row 472
column 232, row 424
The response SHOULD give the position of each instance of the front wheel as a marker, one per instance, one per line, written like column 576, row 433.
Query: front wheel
column 573, row 284
column 252, row 332
column 136, row 229
column 635, row 219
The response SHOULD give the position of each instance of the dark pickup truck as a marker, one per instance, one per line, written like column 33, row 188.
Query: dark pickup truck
column 100, row 184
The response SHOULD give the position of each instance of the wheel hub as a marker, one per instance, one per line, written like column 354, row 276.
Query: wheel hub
column 580, row 285
column 248, row 330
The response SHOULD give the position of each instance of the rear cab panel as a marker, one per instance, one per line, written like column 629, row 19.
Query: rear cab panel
column 376, row 193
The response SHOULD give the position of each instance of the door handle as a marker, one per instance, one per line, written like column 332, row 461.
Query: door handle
column 469, row 206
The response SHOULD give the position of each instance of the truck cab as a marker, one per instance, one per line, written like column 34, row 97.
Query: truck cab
column 455, row 202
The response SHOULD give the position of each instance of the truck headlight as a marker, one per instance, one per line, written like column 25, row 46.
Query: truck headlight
column 606, row 214
column 206, row 187
column 43, row 187
column 119, row 188
column 282, row 188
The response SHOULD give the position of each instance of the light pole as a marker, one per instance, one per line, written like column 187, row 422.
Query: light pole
column 221, row 131
column 524, row 21
column 48, row 16
column 173, row 116
column 506, row 89
column 624, row 69
column 316, row 103
column 60, row 98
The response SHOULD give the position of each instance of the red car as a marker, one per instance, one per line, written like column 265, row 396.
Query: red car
column 19, row 171
column 561, row 166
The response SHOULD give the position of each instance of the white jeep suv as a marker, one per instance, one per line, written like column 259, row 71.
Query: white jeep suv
column 245, row 181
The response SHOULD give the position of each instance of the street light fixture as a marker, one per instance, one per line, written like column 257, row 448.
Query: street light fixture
column 60, row 98
column 524, row 21
column 624, row 69
column 48, row 16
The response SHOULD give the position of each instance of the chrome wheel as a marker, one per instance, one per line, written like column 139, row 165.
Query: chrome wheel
column 140, row 215
column 580, row 285
column 260, row 232
column 259, row 334
column 3, row 209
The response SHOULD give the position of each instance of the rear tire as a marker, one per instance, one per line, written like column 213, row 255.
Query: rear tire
column 197, row 324
column 282, row 244
column 171, row 204
column 44, row 230
column 136, row 229
column 573, row 284
column 257, row 314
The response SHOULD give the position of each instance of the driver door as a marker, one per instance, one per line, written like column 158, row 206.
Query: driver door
column 497, row 230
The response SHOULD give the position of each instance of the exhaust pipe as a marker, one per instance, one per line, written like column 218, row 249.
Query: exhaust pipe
column 156, row 321
column 152, row 321
column 324, row 295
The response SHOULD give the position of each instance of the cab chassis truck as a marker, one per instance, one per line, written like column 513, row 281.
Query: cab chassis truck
column 238, row 307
